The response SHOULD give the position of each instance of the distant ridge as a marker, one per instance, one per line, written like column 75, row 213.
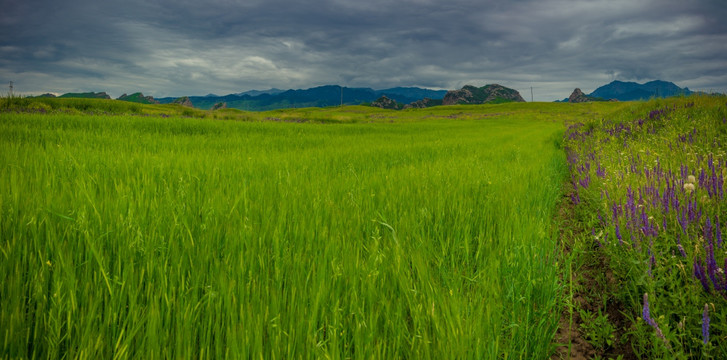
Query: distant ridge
column 272, row 91
column 628, row 91
column 321, row 96
column 631, row 91
column 87, row 95
column 327, row 95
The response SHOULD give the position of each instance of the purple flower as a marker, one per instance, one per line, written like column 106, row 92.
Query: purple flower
column 649, row 320
column 601, row 172
column 618, row 235
column 708, row 230
column 680, row 247
column 681, row 250
column 705, row 324
column 712, row 265
column 699, row 274
column 718, row 231
column 646, row 313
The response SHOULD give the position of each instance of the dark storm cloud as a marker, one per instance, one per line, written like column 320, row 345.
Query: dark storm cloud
column 192, row 47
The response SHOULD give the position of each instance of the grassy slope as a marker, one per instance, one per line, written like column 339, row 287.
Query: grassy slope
column 427, row 237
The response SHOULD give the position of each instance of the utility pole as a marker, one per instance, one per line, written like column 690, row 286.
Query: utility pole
column 531, row 94
column 11, row 89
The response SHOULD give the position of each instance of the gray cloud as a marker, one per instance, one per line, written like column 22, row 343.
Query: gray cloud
column 169, row 48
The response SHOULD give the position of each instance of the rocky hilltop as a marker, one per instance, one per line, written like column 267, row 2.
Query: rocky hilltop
column 386, row 103
column 424, row 103
column 184, row 101
column 488, row 94
column 577, row 96
column 138, row 98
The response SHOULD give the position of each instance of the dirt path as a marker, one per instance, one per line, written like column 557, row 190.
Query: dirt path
column 590, row 283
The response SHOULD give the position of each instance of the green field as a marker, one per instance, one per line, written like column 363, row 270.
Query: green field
column 154, row 231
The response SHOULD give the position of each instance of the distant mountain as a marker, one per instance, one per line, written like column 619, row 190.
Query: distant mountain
column 411, row 94
column 488, row 94
column 321, row 96
column 87, row 95
column 628, row 91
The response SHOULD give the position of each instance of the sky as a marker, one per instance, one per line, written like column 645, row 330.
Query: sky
column 173, row 48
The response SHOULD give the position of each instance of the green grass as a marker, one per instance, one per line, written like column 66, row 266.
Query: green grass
column 362, row 233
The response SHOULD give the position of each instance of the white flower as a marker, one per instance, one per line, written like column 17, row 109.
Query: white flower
column 689, row 187
column 691, row 179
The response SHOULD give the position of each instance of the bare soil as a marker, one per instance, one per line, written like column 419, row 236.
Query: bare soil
column 572, row 342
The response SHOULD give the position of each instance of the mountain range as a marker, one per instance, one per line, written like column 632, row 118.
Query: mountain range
column 630, row 91
column 322, row 96
column 332, row 95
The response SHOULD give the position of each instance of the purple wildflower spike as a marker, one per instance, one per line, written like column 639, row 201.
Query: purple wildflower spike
column 718, row 233
column 649, row 320
column 681, row 248
column 712, row 265
column 699, row 274
column 618, row 235
column 646, row 313
column 705, row 324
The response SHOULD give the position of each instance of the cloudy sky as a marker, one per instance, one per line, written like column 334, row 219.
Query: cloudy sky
column 182, row 47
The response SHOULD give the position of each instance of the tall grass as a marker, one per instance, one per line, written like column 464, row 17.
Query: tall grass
column 132, row 237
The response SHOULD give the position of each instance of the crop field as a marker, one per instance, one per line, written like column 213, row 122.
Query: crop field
column 152, row 231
